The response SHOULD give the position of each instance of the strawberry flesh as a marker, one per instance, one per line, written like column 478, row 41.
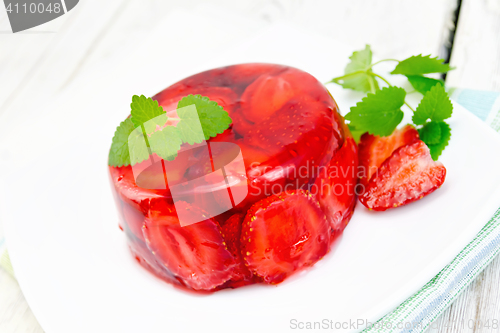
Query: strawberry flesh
column 284, row 233
column 231, row 231
column 409, row 174
column 335, row 187
column 195, row 254
column 374, row 150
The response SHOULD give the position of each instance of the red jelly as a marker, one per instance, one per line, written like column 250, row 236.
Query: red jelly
column 293, row 196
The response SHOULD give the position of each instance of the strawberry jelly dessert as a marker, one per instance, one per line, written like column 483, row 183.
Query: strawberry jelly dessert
column 299, row 167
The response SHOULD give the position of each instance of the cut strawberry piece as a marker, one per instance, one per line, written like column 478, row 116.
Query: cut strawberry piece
column 146, row 259
column 231, row 232
column 301, row 131
column 374, row 150
column 283, row 233
column 409, row 174
column 335, row 187
column 241, row 125
column 265, row 96
column 134, row 221
column 252, row 156
column 195, row 254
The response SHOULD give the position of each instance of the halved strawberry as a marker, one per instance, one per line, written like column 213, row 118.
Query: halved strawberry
column 374, row 150
column 231, row 232
column 407, row 175
column 265, row 96
column 195, row 254
column 335, row 186
column 284, row 233
column 134, row 220
column 146, row 259
column 300, row 135
column 302, row 124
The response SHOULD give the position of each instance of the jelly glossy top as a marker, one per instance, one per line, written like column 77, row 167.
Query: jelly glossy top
column 284, row 121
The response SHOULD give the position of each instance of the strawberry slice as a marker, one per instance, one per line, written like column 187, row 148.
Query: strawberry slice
column 134, row 220
column 302, row 131
column 265, row 96
column 374, row 150
column 231, row 231
column 283, row 233
column 146, row 259
column 335, row 186
column 409, row 174
column 195, row 254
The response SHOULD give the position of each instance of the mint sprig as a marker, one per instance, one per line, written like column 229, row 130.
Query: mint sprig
column 119, row 153
column 437, row 149
column 144, row 109
column 423, row 84
column 379, row 112
column 144, row 132
column 431, row 133
column 357, row 72
column 418, row 65
column 213, row 118
column 435, row 105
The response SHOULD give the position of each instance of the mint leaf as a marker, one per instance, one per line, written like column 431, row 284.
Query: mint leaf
column 423, row 84
column 378, row 113
column 118, row 154
column 144, row 109
column 435, row 105
column 137, row 146
column 430, row 133
column 360, row 61
column 128, row 146
column 356, row 134
column 138, row 136
column 150, row 125
column 212, row 117
column 166, row 143
column 437, row 149
column 190, row 130
column 418, row 65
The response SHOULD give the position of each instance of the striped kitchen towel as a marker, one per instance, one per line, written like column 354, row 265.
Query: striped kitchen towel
column 420, row 310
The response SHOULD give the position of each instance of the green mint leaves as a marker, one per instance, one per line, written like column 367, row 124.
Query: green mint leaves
column 166, row 143
column 437, row 149
column 423, row 84
column 435, row 105
column 379, row 112
column 144, row 109
column 145, row 132
column 119, row 153
column 418, row 65
column 357, row 72
column 433, row 109
column 213, row 118
column 431, row 133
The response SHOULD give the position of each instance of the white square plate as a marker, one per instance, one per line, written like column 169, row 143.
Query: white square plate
column 77, row 274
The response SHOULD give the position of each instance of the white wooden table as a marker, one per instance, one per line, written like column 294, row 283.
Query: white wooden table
column 36, row 65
